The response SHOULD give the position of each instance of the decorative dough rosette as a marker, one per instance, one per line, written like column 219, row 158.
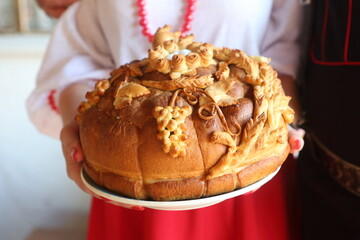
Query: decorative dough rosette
column 191, row 120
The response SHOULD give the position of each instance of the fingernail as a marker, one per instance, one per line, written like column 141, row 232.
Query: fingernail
column 297, row 144
column 138, row 208
column 74, row 155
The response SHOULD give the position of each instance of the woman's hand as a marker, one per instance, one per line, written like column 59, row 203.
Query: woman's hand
column 296, row 140
column 69, row 100
column 73, row 154
column 54, row 8
column 74, row 158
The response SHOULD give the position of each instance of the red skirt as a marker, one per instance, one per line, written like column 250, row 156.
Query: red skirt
column 269, row 213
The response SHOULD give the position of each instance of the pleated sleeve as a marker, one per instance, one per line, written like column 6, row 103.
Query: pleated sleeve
column 282, row 39
column 77, row 51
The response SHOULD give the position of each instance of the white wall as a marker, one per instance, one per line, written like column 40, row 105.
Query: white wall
column 37, row 200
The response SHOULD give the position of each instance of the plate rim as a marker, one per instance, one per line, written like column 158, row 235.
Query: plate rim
column 186, row 204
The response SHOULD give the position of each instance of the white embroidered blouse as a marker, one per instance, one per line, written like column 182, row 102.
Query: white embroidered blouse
column 95, row 36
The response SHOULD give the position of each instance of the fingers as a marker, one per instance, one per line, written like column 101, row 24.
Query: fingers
column 73, row 154
column 296, row 140
column 70, row 140
column 74, row 173
column 74, row 158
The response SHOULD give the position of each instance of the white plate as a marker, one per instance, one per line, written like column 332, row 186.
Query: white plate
column 171, row 205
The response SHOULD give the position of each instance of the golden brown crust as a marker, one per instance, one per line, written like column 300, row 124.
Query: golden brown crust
column 108, row 152
column 260, row 169
column 209, row 151
column 223, row 184
column 156, row 164
column 239, row 113
column 187, row 188
column 190, row 120
column 126, row 187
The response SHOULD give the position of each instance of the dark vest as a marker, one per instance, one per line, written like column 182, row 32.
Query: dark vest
column 332, row 77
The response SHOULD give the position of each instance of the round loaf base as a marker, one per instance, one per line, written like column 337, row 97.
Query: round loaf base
column 189, row 188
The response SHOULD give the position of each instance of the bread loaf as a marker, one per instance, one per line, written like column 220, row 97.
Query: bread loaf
column 191, row 120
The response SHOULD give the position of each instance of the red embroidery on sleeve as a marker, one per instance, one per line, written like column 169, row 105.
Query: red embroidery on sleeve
column 51, row 101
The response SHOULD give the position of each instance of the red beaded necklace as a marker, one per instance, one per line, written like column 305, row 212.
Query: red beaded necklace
column 144, row 23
